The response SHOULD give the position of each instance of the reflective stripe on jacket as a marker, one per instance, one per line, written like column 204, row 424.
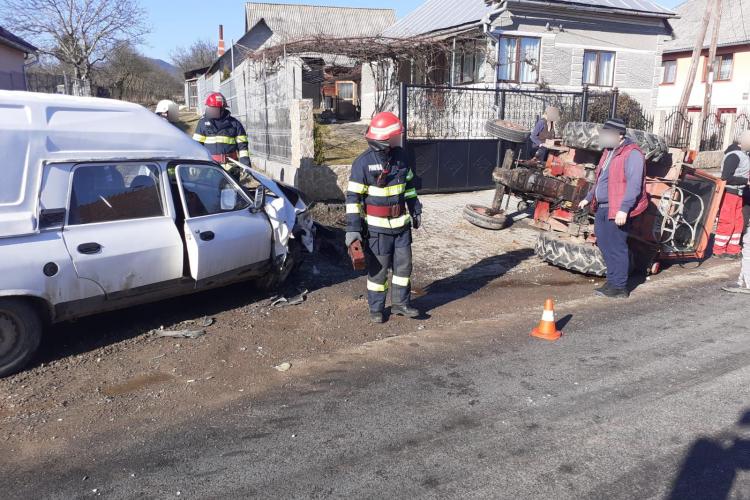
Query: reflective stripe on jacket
column 223, row 136
column 363, row 190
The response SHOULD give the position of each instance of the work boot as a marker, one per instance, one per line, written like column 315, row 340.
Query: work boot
column 377, row 317
column 615, row 293
column 403, row 310
column 600, row 291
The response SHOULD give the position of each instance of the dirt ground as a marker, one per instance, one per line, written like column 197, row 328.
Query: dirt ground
column 113, row 373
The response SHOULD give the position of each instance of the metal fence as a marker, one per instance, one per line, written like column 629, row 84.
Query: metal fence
column 741, row 123
column 438, row 112
column 714, row 128
column 267, row 115
column 677, row 129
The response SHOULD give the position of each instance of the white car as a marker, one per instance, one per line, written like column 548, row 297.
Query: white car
column 104, row 205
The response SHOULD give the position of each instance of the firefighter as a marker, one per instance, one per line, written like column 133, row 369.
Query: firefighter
column 618, row 195
column 223, row 135
column 380, row 191
column 735, row 170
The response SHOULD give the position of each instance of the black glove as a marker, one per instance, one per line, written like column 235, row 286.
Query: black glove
column 416, row 221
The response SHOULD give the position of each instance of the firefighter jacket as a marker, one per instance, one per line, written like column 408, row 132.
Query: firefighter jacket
column 381, row 207
column 223, row 137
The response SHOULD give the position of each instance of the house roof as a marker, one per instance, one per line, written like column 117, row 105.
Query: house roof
column 437, row 15
column 296, row 22
column 8, row 38
column 735, row 24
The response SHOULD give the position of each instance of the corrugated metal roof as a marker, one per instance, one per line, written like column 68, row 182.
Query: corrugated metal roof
column 436, row 15
column 735, row 24
column 295, row 22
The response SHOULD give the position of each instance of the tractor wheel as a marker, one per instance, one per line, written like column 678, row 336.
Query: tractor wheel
column 485, row 217
column 561, row 251
column 585, row 135
column 507, row 131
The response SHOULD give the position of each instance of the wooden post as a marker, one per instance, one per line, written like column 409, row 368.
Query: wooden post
column 710, row 66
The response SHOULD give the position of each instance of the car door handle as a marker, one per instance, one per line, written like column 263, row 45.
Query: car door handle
column 207, row 235
column 89, row 248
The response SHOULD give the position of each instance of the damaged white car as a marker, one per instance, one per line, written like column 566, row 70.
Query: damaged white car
column 104, row 205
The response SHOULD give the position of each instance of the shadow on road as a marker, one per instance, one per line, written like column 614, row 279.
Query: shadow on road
column 470, row 280
column 711, row 466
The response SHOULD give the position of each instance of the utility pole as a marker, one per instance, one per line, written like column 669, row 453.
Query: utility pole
column 710, row 65
column 697, row 49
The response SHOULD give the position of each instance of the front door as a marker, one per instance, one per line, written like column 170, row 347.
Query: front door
column 119, row 233
column 223, row 236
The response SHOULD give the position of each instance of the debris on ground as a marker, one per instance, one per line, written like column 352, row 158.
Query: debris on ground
column 282, row 301
column 283, row 367
column 180, row 334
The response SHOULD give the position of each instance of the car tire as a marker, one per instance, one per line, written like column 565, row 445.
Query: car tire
column 20, row 334
column 276, row 277
column 507, row 131
column 562, row 251
column 485, row 217
column 585, row 135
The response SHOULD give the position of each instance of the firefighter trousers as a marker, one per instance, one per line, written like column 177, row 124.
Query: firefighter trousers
column 730, row 226
column 386, row 252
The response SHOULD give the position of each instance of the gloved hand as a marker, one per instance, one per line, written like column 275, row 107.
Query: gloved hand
column 416, row 221
column 351, row 237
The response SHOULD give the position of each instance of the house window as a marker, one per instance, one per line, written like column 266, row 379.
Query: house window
column 518, row 59
column 468, row 60
column 670, row 72
column 598, row 68
column 722, row 68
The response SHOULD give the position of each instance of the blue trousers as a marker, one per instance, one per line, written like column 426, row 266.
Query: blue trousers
column 386, row 252
column 612, row 240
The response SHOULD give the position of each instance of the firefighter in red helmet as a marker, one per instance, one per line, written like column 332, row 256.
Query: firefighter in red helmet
column 382, row 205
column 223, row 135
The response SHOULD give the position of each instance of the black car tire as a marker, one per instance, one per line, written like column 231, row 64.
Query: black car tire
column 20, row 334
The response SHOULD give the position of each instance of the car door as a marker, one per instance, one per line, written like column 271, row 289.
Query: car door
column 119, row 232
column 222, row 234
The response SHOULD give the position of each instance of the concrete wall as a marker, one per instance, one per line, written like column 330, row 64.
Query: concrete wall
column 734, row 93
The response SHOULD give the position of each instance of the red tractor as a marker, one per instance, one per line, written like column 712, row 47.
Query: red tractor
column 683, row 205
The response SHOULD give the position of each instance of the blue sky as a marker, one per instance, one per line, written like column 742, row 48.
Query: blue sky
column 179, row 22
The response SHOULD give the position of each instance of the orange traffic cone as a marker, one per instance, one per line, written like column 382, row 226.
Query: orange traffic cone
column 547, row 328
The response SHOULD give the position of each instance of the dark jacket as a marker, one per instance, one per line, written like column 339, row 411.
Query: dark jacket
column 735, row 183
column 223, row 136
column 398, row 191
column 540, row 133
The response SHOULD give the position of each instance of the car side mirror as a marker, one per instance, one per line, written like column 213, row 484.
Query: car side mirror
column 228, row 199
column 259, row 200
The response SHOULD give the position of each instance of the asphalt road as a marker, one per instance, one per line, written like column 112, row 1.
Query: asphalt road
column 643, row 398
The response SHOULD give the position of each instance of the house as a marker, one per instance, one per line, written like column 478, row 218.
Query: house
column 731, row 88
column 532, row 44
column 14, row 57
column 191, row 87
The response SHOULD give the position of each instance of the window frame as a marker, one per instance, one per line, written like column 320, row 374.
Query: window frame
column 183, row 199
column 466, row 50
column 717, row 68
column 165, row 206
column 598, row 67
column 664, row 72
column 517, row 59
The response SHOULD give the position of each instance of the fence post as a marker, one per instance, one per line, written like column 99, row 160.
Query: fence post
column 502, row 104
column 613, row 103
column 403, row 106
column 584, row 103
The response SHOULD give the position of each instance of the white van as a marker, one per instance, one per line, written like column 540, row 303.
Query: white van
column 104, row 205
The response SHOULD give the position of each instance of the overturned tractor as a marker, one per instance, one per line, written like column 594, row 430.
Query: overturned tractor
column 677, row 225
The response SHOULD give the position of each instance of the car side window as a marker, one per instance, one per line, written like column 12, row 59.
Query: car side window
column 209, row 190
column 112, row 192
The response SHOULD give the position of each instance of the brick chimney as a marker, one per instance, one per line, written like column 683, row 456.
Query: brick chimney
column 221, row 50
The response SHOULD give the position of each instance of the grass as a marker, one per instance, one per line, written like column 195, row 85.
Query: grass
column 342, row 142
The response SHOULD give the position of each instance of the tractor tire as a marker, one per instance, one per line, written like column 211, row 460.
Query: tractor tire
column 485, row 217
column 507, row 131
column 566, row 253
column 585, row 135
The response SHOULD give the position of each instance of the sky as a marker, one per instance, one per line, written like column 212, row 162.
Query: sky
column 179, row 22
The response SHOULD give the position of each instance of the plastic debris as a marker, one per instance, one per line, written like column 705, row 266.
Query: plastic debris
column 283, row 367
column 206, row 322
column 180, row 334
column 282, row 301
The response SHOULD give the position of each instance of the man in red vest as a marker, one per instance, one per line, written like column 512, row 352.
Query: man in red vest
column 618, row 195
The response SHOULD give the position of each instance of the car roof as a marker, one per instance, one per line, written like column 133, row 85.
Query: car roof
column 40, row 128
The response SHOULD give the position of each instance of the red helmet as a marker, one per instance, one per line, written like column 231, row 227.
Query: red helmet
column 216, row 100
column 384, row 126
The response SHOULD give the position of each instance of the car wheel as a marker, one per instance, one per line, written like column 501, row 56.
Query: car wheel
column 20, row 334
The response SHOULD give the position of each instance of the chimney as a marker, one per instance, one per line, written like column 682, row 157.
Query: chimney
column 221, row 50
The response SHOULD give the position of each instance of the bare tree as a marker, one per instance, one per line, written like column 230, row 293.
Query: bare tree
column 199, row 54
column 130, row 76
column 79, row 33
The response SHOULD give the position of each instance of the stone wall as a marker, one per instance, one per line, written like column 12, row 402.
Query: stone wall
column 323, row 182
